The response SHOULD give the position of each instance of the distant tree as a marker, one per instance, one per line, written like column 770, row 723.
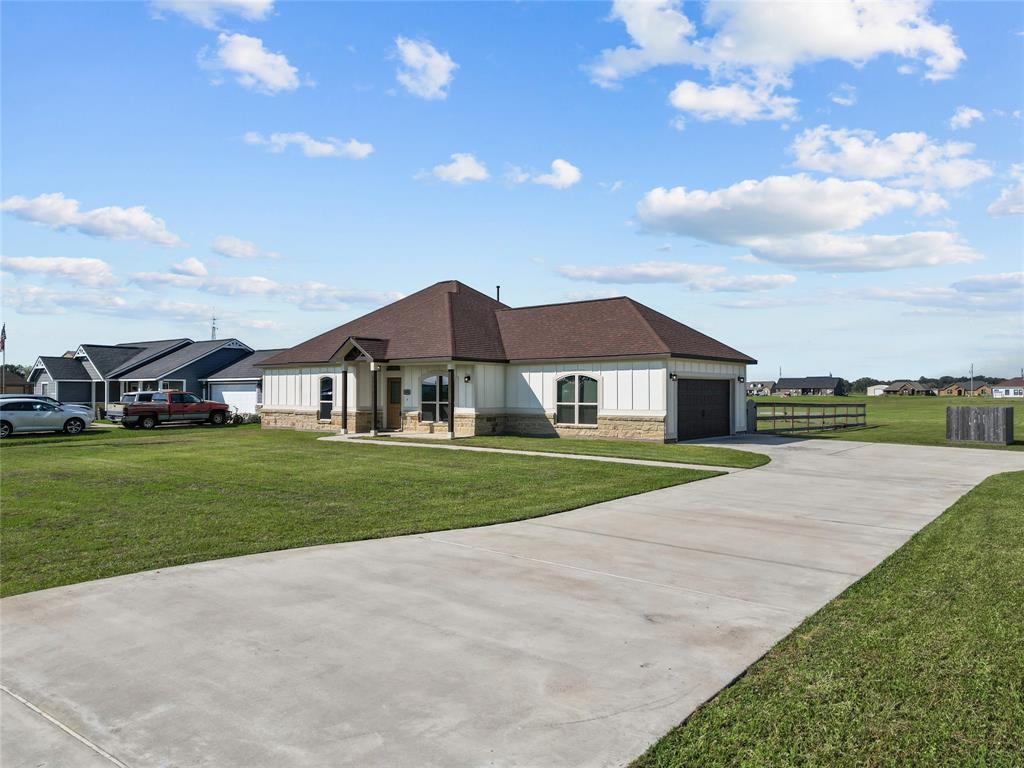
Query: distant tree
column 21, row 370
column 860, row 386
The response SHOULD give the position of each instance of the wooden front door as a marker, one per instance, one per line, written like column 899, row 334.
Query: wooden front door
column 394, row 404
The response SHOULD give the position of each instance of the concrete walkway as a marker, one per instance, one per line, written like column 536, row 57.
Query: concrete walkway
column 571, row 640
column 410, row 443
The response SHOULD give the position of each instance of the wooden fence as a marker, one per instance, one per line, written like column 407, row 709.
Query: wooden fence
column 980, row 424
column 804, row 417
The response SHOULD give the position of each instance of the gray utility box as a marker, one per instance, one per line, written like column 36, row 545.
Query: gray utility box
column 979, row 424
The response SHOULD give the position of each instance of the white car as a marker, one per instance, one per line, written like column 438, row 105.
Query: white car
column 27, row 414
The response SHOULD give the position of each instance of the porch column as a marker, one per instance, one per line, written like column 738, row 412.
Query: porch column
column 344, row 400
column 373, row 399
column 451, row 402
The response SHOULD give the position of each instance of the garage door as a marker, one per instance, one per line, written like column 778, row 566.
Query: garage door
column 240, row 396
column 702, row 408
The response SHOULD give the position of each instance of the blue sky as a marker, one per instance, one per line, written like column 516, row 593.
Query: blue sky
column 828, row 187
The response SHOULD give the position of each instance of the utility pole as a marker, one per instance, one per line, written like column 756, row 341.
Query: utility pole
column 971, row 393
column 213, row 327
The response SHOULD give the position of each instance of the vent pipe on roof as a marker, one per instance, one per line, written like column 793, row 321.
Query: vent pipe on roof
column 499, row 293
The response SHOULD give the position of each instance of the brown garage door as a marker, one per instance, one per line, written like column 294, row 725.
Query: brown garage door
column 702, row 408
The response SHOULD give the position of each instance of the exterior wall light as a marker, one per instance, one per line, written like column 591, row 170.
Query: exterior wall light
column 467, row 378
column 673, row 377
column 740, row 379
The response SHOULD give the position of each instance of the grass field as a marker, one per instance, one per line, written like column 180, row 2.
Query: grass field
column 684, row 454
column 121, row 501
column 918, row 663
column 911, row 420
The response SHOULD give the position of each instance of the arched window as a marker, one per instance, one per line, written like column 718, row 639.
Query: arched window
column 576, row 400
column 434, row 398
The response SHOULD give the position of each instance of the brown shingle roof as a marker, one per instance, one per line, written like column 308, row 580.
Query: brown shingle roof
column 450, row 320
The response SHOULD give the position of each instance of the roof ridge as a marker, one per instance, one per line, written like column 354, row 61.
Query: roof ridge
column 451, row 323
column 636, row 305
column 563, row 303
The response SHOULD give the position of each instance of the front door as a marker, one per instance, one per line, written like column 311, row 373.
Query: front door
column 702, row 408
column 394, row 404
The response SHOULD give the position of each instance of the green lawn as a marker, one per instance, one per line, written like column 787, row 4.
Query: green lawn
column 121, row 501
column 685, row 454
column 921, row 662
column 911, row 420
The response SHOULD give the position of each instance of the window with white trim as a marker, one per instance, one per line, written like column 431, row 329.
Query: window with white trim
column 172, row 384
column 434, row 398
column 576, row 400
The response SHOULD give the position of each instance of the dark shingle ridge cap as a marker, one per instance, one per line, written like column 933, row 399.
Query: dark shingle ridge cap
column 507, row 308
column 151, row 341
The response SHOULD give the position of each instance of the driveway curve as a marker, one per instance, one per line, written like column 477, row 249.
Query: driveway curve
column 572, row 640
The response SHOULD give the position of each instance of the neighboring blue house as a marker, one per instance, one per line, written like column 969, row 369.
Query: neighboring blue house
column 185, row 368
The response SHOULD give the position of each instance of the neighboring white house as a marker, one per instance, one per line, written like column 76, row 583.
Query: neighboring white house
column 1009, row 388
column 876, row 390
column 450, row 359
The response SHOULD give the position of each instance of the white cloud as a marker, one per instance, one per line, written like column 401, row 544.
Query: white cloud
column 827, row 252
column 778, row 206
column 770, row 39
column 981, row 293
column 58, row 212
column 37, row 300
column 731, row 102
column 463, row 167
column 425, row 71
column 755, row 46
column 845, row 95
column 909, row 158
column 964, row 116
column 795, row 220
column 90, row 272
column 562, row 176
column 600, row 293
column 611, row 186
column 236, row 248
column 310, row 296
column 190, row 266
column 329, row 147
column 207, row 13
column 254, row 66
column 697, row 277
column 1011, row 199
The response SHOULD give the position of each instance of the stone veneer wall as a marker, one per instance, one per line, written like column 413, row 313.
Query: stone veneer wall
column 608, row 427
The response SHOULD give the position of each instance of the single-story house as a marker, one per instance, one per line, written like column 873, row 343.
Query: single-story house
column 240, row 385
column 811, row 385
column 451, row 359
column 905, row 388
column 875, row 390
column 760, row 388
column 966, row 389
column 97, row 374
column 187, row 367
column 15, row 384
column 1009, row 388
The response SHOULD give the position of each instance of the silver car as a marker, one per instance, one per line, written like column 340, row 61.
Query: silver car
column 51, row 401
column 26, row 414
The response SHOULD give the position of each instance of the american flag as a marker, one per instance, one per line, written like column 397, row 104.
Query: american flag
column 3, row 338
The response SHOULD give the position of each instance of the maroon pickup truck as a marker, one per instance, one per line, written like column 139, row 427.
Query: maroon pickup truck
column 172, row 407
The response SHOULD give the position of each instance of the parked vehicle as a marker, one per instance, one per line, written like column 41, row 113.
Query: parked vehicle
column 172, row 407
column 47, row 399
column 30, row 414
column 116, row 412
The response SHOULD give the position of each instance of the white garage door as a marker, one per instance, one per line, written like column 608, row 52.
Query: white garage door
column 240, row 396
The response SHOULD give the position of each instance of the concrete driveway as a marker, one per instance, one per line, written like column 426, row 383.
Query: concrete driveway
column 570, row 640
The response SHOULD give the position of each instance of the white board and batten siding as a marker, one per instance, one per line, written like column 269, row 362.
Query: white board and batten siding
column 625, row 387
column 298, row 389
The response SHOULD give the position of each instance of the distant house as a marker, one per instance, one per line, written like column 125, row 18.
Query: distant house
column 907, row 388
column 1009, row 388
column 876, row 390
column 760, row 388
column 15, row 384
column 97, row 374
column 240, row 385
column 810, row 385
column 966, row 389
